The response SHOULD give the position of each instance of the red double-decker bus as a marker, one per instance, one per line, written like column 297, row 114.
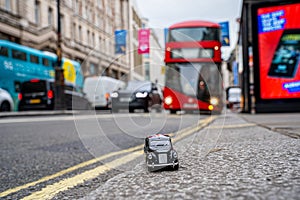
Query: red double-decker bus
column 193, row 60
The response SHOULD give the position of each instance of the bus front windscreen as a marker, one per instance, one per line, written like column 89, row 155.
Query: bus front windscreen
column 194, row 34
column 200, row 80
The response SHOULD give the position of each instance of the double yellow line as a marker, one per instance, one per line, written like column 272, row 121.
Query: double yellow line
column 50, row 191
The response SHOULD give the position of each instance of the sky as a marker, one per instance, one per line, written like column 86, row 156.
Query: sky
column 163, row 13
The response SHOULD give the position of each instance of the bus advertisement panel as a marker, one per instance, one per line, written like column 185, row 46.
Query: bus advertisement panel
column 278, row 30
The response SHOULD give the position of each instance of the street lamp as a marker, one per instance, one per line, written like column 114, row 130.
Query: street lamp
column 59, row 72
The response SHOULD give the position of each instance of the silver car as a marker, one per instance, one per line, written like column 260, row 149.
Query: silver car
column 6, row 102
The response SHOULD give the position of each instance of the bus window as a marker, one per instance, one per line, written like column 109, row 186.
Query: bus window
column 46, row 62
column 19, row 55
column 4, row 51
column 193, row 34
column 34, row 59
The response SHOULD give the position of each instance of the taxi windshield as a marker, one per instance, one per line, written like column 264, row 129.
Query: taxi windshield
column 160, row 145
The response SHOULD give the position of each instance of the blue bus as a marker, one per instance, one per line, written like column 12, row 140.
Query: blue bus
column 19, row 63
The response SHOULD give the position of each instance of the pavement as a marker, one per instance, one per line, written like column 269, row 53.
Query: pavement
column 237, row 156
column 232, row 158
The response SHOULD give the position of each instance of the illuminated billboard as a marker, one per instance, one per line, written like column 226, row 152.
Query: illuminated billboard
column 278, row 29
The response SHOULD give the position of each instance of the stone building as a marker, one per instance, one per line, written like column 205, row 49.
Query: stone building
column 87, row 28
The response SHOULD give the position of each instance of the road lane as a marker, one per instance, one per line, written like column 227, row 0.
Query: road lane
column 37, row 147
column 51, row 190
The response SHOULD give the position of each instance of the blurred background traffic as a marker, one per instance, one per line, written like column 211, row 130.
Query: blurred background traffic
column 73, row 54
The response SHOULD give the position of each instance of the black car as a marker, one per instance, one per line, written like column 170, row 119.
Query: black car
column 160, row 153
column 137, row 95
column 39, row 94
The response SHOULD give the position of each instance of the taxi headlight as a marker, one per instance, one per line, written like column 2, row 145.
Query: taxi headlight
column 214, row 101
column 150, row 156
column 168, row 100
column 114, row 95
column 175, row 154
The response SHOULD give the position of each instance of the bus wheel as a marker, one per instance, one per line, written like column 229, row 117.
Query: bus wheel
column 173, row 111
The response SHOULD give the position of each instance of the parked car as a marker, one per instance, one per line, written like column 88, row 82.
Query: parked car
column 233, row 97
column 39, row 95
column 137, row 95
column 99, row 88
column 160, row 153
column 6, row 102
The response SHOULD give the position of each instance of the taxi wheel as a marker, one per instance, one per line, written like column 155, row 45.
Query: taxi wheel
column 176, row 167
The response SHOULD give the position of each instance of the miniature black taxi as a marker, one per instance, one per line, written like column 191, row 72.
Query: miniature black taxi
column 159, row 153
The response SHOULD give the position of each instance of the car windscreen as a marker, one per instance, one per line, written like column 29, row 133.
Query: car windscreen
column 160, row 145
column 138, row 86
column 194, row 79
column 30, row 87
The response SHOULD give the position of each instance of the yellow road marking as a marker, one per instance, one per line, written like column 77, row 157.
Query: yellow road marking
column 51, row 190
column 180, row 134
column 231, row 126
column 75, row 167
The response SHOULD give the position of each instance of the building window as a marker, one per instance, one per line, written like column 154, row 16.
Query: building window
column 79, row 34
column 75, row 6
column 85, row 12
column 74, row 32
column 50, row 16
column 99, row 3
column 8, row 5
column 88, row 38
column 92, row 69
column 37, row 10
column 93, row 39
column 62, row 24
column 99, row 44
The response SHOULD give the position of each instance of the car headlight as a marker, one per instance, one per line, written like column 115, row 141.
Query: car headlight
column 214, row 101
column 168, row 100
column 114, row 95
column 141, row 94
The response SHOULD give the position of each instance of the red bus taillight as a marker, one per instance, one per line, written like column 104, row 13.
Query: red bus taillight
column 50, row 94
column 20, row 96
column 34, row 80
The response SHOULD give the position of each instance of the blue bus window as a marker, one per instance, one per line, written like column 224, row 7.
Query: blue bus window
column 34, row 59
column 3, row 51
column 19, row 55
column 46, row 62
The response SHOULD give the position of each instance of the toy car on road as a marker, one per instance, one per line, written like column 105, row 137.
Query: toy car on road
column 160, row 153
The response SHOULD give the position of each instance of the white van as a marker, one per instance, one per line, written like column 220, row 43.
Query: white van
column 233, row 97
column 99, row 88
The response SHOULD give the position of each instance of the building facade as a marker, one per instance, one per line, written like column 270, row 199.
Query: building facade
column 87, row 32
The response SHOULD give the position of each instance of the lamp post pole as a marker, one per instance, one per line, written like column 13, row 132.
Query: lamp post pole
column 59, row 72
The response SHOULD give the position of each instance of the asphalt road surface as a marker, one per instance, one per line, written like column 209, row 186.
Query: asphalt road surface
column 39, row 146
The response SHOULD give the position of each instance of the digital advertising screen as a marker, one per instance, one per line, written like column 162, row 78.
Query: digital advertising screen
column 279, row 51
